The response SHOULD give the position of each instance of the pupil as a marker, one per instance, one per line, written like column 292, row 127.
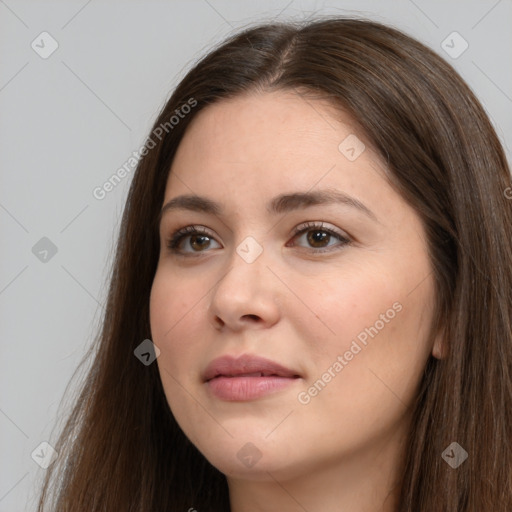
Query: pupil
column 202, row 238
column 314, row 239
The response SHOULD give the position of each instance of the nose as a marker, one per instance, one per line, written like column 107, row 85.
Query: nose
column 246, row 296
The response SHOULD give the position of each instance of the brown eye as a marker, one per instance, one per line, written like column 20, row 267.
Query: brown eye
column 319, row 237
column 198, row 241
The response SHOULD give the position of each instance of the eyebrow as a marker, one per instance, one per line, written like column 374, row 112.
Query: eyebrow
column 280, row 204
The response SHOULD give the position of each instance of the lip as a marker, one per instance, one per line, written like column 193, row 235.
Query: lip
column 236, row 378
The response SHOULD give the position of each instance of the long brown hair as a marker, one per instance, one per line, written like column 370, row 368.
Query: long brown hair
column 121, row 448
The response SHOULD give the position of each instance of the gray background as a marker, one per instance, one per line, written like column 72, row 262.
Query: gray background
column 69, row 121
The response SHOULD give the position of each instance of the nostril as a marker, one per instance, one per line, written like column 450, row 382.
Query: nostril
column 218, row 322
column 252, row 317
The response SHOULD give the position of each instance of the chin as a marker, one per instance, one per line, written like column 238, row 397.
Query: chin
column 259, row 470
column 252, row 457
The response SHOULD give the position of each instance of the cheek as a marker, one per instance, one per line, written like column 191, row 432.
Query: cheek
column 172, row 302
column 374, row 336
column 174, row 319
column 350, row 305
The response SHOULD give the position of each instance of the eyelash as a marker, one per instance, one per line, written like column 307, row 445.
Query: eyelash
column 176, row 238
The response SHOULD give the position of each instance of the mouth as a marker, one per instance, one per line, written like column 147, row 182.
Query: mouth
column 253, row 374
column 246, row 377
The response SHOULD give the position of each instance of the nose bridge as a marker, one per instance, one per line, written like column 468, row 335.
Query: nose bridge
column 245, row 289
column 247, row 268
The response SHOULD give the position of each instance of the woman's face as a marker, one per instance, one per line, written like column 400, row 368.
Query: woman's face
column 305, row 257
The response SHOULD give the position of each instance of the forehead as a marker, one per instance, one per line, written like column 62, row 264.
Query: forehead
column 274, row 120
column 277, row 139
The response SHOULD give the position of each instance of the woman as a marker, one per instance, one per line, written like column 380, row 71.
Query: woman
column 310, row 305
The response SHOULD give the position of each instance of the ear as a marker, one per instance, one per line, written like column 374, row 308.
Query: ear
column 439, row 349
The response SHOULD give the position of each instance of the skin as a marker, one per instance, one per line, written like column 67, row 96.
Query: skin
column 295, row 305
